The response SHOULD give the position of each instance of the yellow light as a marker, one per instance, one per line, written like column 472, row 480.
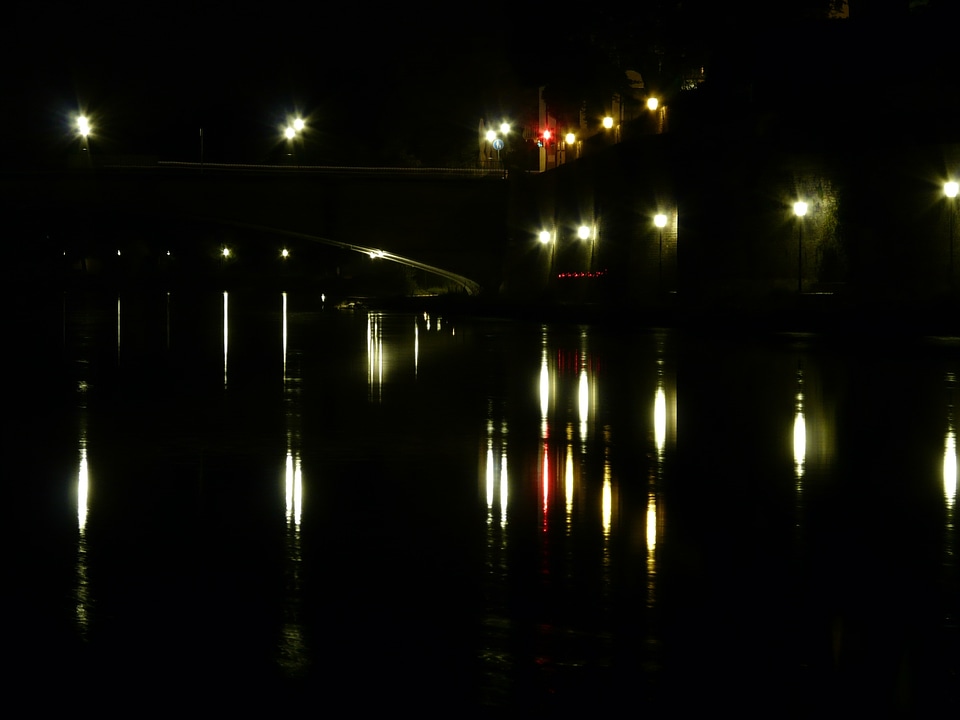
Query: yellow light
column 505, row 127
column 570, row 138
column 545, row 236
column 284, row 253
column 800, row 208
column 950, row 189
column 652, row 103
column 83, row 125
column 290, row 133
column 298, row 124
column 660, row 220
column 226, row 252
column 491, row 135
column 583, row 232
column 608, row 122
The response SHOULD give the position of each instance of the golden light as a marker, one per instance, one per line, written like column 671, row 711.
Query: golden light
column 290, row 133
column 225, row 252
column 660, row 220
column 298, row 124
column 570, row 138
column 652, row 103
column 583, row 232
column 608, row 122
column 800, row 208
column 491, row 135
column 83, row 125
column 504, row 127
column 284, row 253
column 545, row 236
column 950, row 189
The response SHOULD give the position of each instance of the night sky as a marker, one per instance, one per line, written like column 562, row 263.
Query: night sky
column 402, row 85
column 370, row 81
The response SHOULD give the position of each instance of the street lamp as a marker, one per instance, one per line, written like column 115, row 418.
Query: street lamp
column 800, row 209
column 660, row 220
column 290, row 133
column 950, row 190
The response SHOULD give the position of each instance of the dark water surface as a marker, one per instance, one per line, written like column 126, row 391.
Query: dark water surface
column 228, row 500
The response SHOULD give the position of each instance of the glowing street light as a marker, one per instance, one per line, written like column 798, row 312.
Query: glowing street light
column 607, row 122
column 660, row 220
column 652, row 103
column 83, row 126
column 583, row 232
column 800, row 209
column 545, row 236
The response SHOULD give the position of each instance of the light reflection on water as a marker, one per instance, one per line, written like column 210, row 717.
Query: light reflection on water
column 567, row 442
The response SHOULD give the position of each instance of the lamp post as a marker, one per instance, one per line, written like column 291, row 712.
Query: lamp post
column 660, row 220
column 290, row 133
column 800, row 209
column 950, row 190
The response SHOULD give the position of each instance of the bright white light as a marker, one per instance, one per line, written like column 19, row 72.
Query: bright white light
column 950, row 189
column 545, row 236
column 800, row 208
column 505, row 127
column 660, row 418
column 284, row 253
column 660, row 220
column 608, row 122
column 652, row 103
column 570, row 138
column 491, row 135
column 290, row 133
column 225, row 252
column 83, row 125
column 583, row 232
column 950, row 468
column 298, row 124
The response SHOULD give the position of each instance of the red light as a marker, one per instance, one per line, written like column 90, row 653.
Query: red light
column 547, row 134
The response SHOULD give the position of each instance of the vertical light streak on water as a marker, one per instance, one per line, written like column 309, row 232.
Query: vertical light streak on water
column 568, row 487
column 283, row 333
column 950, row 470
column 544, row 394
column 374, row 357
column 168, row 321
column 799, row 449
column 606, row 510
column 118, row 330
column 584, row 403
column 545, row 484
column 651, row 534
column 83, row 598
column 226, row 336
column 292, row 651
column 416, row 347
column 490, row 481
column 660, row 417
column 504, row 482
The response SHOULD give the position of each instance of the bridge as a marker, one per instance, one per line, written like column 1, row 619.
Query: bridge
column 360, row 230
